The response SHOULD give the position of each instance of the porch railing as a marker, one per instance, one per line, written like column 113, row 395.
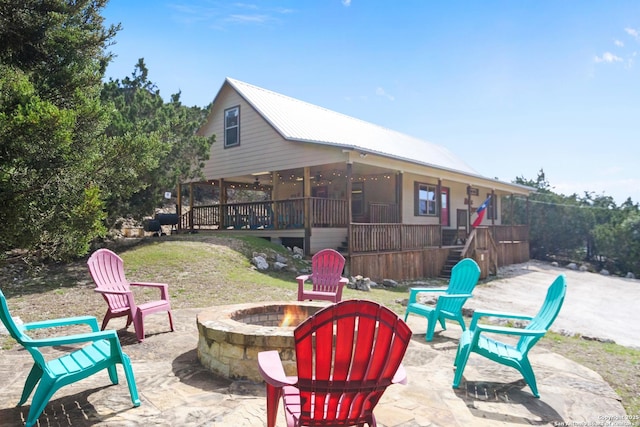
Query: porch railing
column 383, row 213
column 510, row 233
column 393, row 237
column 281, row 214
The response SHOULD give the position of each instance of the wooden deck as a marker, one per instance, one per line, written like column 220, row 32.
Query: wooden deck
column 376, row 249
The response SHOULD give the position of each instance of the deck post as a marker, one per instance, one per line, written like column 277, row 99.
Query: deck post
column 349, row 208
column 306, row 193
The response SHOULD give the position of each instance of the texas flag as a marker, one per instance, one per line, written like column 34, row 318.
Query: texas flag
column 480, row 212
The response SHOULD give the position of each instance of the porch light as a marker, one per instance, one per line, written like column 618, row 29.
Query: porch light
column 260, row 173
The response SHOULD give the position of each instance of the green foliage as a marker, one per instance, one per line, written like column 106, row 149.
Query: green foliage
column 153, row 145
column 590, row 227
column 51, row 119
column 76, row 153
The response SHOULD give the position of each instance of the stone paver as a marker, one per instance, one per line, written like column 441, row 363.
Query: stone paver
column 177, row 391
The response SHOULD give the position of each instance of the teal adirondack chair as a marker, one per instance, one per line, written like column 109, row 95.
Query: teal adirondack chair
column 464, row 277
column 475, row 341
column 103, row 351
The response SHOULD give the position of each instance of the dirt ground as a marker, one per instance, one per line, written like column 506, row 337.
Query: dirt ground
column 596, row 306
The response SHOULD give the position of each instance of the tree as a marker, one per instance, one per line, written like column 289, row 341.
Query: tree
column 153, row 145
column 51, row 120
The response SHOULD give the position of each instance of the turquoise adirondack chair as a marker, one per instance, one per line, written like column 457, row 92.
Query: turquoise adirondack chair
column 102, row 351
column 475, row 341
column 464, row 277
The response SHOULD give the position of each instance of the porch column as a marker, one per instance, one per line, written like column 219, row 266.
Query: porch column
column 495, row 207
column 191, row 206
column 306, row 193
column 439, row 207
column 223, row 203
column 275, row 195
column 349, row 213
column 399, row 184
column 179, row 206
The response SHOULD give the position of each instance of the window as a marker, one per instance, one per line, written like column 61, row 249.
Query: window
column 232, row 127
column 425, row 200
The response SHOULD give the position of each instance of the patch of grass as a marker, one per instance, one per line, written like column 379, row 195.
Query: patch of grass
column 619, row 366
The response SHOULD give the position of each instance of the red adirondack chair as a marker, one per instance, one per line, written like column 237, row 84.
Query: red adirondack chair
column 347, row 354
column 326, row 277
column 107, row 270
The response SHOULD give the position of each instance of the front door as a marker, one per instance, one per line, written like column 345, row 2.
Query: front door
column 444, row 206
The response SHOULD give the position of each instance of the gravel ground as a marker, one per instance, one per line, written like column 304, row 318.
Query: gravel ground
column 596, row 306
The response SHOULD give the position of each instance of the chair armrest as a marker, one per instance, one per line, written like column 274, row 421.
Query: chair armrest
column 400, row 377
column 79, row 320
column 164, row 288
column 270, row 367
column 413, row 292
column 73, row 339
column 343, row 281
column 507, row 330
column 489, row 313
column 445, row 296
column 303, row 278
column 111, row 291
column 149, row 284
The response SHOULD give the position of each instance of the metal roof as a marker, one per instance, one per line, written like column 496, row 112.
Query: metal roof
column 300, row 121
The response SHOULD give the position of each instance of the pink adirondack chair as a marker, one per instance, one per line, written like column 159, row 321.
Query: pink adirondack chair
column 326, row 277
column 107, row 271
column 347, row 354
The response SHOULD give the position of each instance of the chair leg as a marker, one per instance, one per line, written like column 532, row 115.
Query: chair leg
column 460, row 363
column 527, row 372
column 131, row 382
column 34, row 376
column 106, row 319
column 170, row 320
column 113, row 374
column 431, row 326
column 138, row 325
column 274, row 394
column 43, row 393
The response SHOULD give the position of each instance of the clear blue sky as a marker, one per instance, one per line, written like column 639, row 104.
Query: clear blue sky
column 511, row 87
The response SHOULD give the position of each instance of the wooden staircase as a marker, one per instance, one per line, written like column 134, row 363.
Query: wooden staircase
column 455, row 255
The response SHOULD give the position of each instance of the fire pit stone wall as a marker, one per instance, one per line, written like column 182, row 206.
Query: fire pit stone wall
column 230, row 337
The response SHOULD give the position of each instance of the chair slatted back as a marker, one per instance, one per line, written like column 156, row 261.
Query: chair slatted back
column 347, row 354
column 107, row 270
column 17, row 332
column 326, row 270
column 464, row 277
column 547, row 313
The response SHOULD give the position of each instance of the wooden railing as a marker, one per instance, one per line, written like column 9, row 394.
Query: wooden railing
column 510, row 233
column 329, row 212
column 282, row 214
column 392, row 237
column 383, row 213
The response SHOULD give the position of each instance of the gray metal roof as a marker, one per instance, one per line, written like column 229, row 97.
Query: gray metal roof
column 300, row 121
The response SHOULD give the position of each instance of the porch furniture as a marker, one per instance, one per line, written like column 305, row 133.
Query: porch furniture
column 326, row 277
column 107, row 270
column 475, row 339
column 347, row 354
column 464, row 277
column 98, row 351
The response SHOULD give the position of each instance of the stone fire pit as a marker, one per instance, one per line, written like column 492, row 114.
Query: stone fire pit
column 231, row 336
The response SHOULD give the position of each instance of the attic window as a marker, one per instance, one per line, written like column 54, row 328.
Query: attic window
column 232, row 127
